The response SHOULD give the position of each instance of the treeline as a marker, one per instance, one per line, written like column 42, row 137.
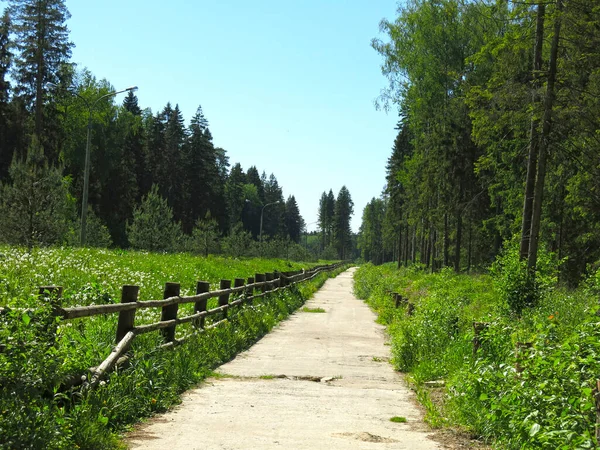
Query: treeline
column 334, row 224
column 155, row 182
column 498, row 135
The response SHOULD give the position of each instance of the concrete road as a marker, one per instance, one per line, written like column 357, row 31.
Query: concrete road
column 318, row 381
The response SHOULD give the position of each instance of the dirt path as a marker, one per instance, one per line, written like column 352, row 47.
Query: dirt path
column 318, row 381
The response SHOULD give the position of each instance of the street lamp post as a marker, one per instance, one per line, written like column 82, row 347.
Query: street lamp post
column 261, row 221
column 86, row 170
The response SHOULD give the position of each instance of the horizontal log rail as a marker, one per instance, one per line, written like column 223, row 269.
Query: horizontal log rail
column 258, row 287
column 76, row 312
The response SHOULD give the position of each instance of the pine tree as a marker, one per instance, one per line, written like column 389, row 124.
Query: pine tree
column 254, row 178
column 35, row 209
column 202, row 185
column 153, row 227
column 43, row 47
column 171, row 171
column 344, row 208
column 234, row 194
column 5, row 63
column 274, row 215
column 294, row 223
column 131, row 104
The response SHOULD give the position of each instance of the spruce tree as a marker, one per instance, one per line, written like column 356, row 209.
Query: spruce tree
column 202, row 185
column 43, row 47
column 153, row 227
column 35, row 208
column 344, row 208
column 294, row 223
column 234, row 193
column 274, row 215
column 5, row 62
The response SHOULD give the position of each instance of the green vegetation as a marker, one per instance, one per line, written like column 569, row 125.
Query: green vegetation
column 398, row 419
column 337, row 239
column 39, row 353
column 155, row 181
column 555, row 344
column 498, row 103
column 95, row 276
column 313, row 310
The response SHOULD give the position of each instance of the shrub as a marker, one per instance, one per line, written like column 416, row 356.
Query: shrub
column 153, row 227
column 517, row 286
column 35, row 209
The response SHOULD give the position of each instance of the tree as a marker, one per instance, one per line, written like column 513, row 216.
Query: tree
column 344, row 208
column 206, row 235
column 35, row 209
column 370, row 240
column 274, row 215
column 153, row 227
column 202, row 185
column 234, row 194
column 5, row 63
column 326, row 212
column 293, row 220
column 43, row 47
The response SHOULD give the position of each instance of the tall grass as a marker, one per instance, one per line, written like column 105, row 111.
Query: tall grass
column 548, row 405
column 36, row 413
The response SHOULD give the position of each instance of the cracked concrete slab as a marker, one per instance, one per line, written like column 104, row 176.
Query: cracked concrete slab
column 319, row 380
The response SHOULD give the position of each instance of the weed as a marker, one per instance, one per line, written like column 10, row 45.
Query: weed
column 313, row 310
column 36, row 413
column 547, row 403
column 398, row 419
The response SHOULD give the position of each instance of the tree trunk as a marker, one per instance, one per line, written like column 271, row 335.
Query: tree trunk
column 544, row 141
column 446, row 240
column 39, row 87
column 533, row 135
column 458, row 242
column 470, row 250
column 400, row 247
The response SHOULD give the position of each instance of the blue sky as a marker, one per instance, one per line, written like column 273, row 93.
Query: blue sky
column 286, row 86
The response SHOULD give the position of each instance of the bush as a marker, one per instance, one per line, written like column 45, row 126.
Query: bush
column 238, row 243
column 205, row 236
column 517, row 286
column 549, row 405
column 97, row 233
column 35, row 209
column 153, row 227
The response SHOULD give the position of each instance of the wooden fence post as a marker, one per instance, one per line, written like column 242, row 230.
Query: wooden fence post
column 397, row 299
column 269, row 277
column 250, row 291
column 478, row 328
column 170, row 312
column 224, row 299
column 200, row 305
column 129, row 294
column 260, row 278
column 411, row 309
column 276, row 279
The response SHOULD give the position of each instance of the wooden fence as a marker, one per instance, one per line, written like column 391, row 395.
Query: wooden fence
column 245, row 291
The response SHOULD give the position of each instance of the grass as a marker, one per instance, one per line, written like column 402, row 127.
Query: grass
column 313, row 310
column 33, row 416
column 550, row 404
column 398, row 419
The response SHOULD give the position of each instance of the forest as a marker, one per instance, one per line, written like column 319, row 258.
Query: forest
column 498, row 135
column 155, row 182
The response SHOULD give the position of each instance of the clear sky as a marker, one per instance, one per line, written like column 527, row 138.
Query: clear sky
column 287, row 86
